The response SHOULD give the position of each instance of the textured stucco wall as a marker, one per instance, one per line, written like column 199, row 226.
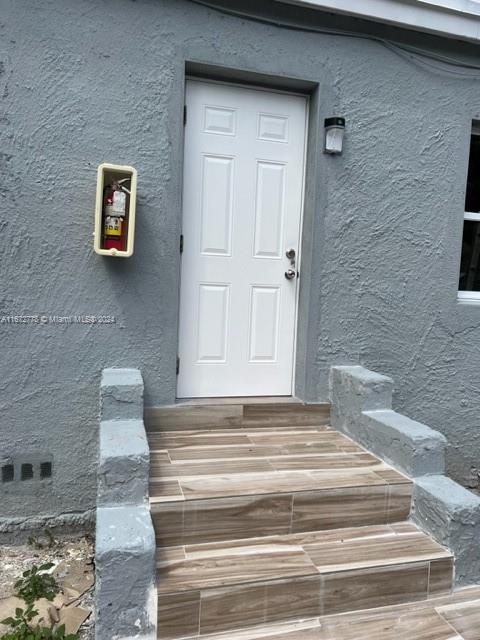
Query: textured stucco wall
column 83, row 82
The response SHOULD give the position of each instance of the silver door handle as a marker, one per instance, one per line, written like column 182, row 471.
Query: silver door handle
column 291, row 273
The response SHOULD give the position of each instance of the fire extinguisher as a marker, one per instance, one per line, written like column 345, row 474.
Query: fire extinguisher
column 115, row 222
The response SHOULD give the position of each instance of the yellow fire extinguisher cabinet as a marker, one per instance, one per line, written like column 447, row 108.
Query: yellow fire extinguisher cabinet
column 108, row 174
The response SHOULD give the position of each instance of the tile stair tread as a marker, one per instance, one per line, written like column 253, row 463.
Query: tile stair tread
column 238, row 430
column 214, row 565
column 220, row 464
column 358, row 554
column 265, row 434
column 222, row 571
column 261, row 451
column 167, row 471
column 266, row 483
column 438, row 618
column 277, row 482
column 251, row 427
column 209, row 436
column 323, row 461
column 307, row 629
column 463, row 617
column 173, row 439
column 163, row 469
column 452, row 617
column 224, row 415
column 426, row 625
column 310, row 537
column 233, row 437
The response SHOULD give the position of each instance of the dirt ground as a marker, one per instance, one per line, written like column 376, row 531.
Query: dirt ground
column 14, row 559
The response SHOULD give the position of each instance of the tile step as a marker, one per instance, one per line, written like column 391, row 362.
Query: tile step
column 230, row 518
column 207, row 588
column 450, row 617
column 210, row 485
column 235, row 414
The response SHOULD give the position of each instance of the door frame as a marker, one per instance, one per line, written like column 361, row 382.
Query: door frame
column 320, row 169
column 263, row 88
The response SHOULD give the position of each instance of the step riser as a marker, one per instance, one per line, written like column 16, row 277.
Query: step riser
column 198, row 521
column 221, row 609
column 235, row 416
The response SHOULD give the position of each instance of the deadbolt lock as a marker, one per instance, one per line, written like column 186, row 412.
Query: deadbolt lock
column 291, row 254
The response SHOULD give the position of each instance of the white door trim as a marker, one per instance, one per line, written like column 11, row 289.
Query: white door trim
column 300, row 236
column 246, row 85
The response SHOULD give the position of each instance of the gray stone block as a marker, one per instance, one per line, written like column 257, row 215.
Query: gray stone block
column 361, row 407
column 451, row 514
column 121, row 394
column 410, row 446
column 354, row 389
column 125, row 593
column 123, row 467
column 18, row 530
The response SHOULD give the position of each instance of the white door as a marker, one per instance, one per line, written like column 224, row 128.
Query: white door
column 242, row 203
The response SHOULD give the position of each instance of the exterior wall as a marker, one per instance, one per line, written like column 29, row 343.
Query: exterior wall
column 83, row 82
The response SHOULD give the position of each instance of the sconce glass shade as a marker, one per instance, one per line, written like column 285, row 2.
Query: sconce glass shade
column 334, row 132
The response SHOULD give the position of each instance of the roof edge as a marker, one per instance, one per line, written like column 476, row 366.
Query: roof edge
column 459, row 19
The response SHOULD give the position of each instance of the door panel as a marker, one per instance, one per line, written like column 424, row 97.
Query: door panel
column 269, row 210
column 212, row 323
column 243, row 182
column 217, row 204
column 264, row 324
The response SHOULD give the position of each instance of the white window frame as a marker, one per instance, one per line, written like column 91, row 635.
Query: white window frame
column 470, row 296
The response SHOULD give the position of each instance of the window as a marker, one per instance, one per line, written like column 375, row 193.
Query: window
column 469, row 281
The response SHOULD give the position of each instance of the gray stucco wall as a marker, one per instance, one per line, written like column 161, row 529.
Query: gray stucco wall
column 83, row 82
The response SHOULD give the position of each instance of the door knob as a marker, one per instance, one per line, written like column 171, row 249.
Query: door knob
column 290, row 274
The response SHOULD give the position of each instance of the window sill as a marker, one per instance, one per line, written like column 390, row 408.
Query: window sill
column 469, row 300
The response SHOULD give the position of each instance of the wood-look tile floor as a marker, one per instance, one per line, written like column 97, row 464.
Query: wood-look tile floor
column 235, row 412
column 260, row 522
column 218, row 564
column 215, row 586
column 201, row 464
column 452, row 617
column 221, row 484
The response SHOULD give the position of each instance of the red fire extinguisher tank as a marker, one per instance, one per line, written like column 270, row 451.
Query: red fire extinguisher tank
column 115, row 219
